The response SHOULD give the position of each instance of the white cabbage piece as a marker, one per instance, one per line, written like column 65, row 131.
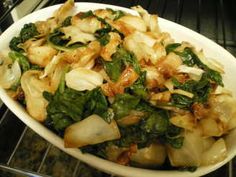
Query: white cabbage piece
column 197, row 150
column 83, row 56
column 134, row 22
column 10, row 72
column 153, row 77
column 216, row 153
column 223, row 107
column 168, row 65
column 151, row 21
column 64, row 11
column 211, row 127
column 33, row 88
column 91, row 130
column 54, row 71
column 151, row 156
column 87, row 25
column 186, row 121
column 109, row 49
column 41, row 55
column 76, row 35
column 144, row 47
column 190, row 153
column 83, row 79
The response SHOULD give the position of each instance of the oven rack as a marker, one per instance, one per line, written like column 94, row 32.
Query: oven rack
column 212, row 18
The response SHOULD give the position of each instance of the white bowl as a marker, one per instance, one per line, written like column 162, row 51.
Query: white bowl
column 179, row 33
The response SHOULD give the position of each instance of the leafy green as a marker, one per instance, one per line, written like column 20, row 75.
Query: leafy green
column 128, row 58
column 15, row 41
column 138, row 88
column 172, row 47
column 120, row 59
column 21, row 59
column 28, row 31
column 97, row 104
column 181, row 101
column 57, row 41
column 201, row 90
column 67, row 21
column 102, row 34
column 86, row 14
column 67, row 106
column 132, row 135
column 190, row 58
column 113, row 68
column 123, row 104
column 156, row 124
column 104, row 40
column 172, row 136
column 116, row 13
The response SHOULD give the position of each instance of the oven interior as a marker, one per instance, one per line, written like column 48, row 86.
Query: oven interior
column 24, row 153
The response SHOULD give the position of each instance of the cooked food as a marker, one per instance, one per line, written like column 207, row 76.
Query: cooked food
column 114, row 85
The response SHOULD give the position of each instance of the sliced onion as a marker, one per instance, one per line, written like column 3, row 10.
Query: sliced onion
column 151, row 156
column 133, row 118
column 169, row 84
column 194, row 73
column 51, row 66
column 91, row 130
column 83, row 79
column 10, row 74
column 211, row 63
column 216, row 153
column 183, row 92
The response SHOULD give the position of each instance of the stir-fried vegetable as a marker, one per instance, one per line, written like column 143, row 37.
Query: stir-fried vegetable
column 115, row 85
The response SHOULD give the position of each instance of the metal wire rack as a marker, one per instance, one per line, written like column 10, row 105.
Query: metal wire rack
column 23, row 153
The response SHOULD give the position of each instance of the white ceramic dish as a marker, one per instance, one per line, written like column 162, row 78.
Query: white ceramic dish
column 179, row 33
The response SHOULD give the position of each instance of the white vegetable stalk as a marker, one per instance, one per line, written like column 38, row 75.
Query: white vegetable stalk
column 9, row 75
column 83, row 79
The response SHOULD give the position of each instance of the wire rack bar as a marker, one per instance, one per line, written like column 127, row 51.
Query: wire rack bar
column 44, row 158
column 76, row 169
column 4, row 16
column 199, row 16
column 19, row 171
column 37, row 5
column 164, row 8
column 4, row 116
column 223, row 22
column 17, row 145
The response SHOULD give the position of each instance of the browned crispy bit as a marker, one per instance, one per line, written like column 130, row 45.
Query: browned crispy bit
column 124, row 157
column 199, row 110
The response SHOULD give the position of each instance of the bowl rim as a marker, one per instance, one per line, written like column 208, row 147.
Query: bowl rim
column 93, row 160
